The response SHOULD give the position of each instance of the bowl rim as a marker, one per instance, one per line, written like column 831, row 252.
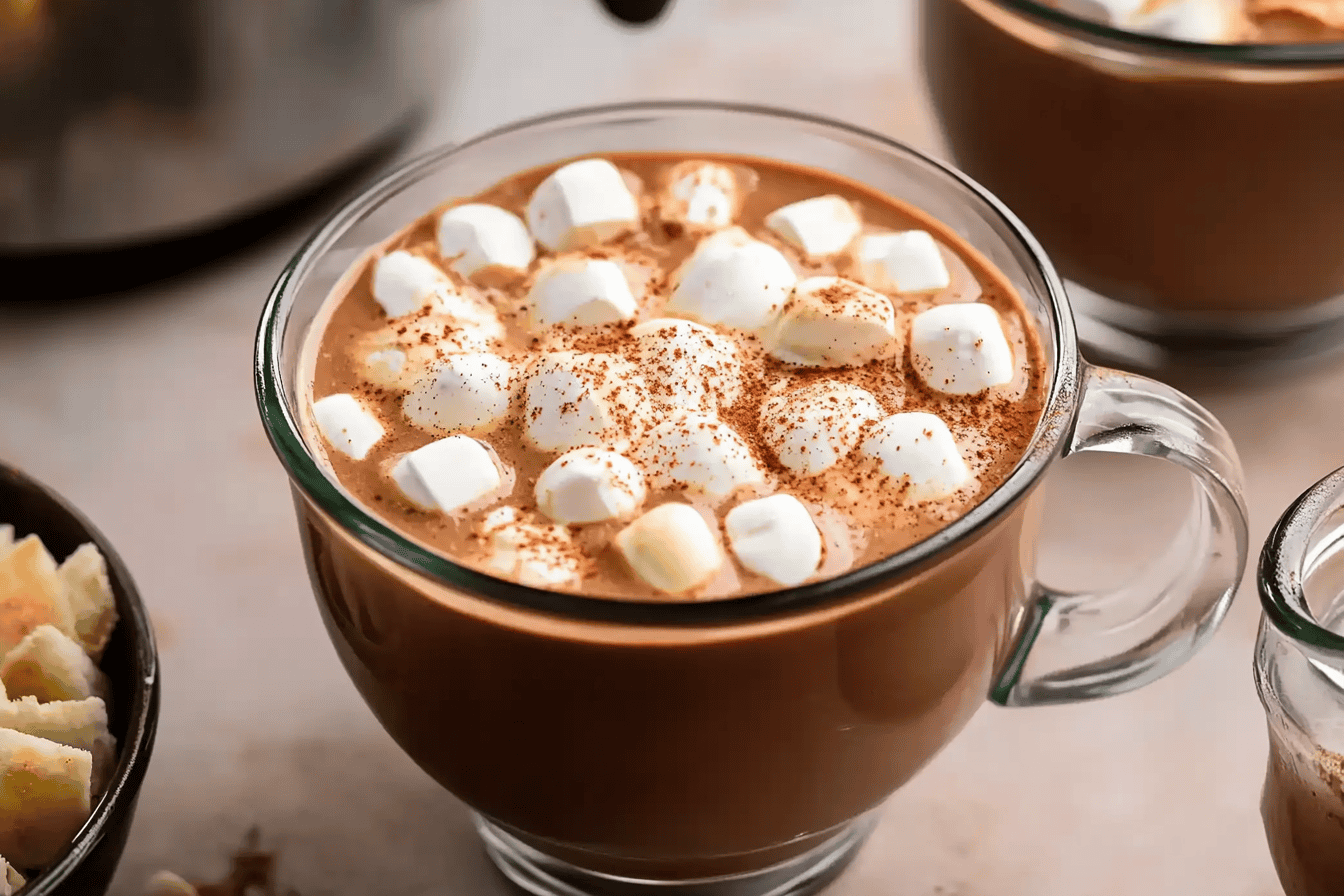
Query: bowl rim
column 135, row 748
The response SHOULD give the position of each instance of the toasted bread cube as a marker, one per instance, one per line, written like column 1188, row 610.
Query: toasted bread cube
column 45, row 797
column 75, row 723
column 49, row 665
column 30, row 594
column 11, row 881
column 84, row 583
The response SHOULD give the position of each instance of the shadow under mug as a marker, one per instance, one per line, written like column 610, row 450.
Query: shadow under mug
column 1299, row 672
column 736, row 746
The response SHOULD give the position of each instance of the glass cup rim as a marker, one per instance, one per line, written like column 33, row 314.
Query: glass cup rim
column 1281, row 571
column 285, row 434
column 1259, row 55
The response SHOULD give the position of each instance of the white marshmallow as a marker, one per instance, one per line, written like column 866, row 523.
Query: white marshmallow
column 578, row 399
column 403, row 283
column 465, row 392
column 908, row 261
column 536, row 555
column 1107, row 12
column 476, row 236
column 408, row 482
column 447, row 475
column 813, row 428
column 583, row 292
column 687, row 365
column 917, row 450
column 833, row 322
column 384, row 367
column 733, row 280
column 960, row 349
column 467, row 312
column 696, row 452
column 473, row 327
column 405, row 352
column 588, row 485
column 582, row 204
column 1200, row 21
column 347, row 425
column 818, row 227
column 704, row 194
column 671, row 548
column 775, row 537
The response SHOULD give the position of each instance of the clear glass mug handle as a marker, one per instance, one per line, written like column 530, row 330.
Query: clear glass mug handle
column 1081, row 645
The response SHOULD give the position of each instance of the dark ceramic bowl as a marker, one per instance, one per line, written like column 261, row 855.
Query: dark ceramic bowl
column 131, row 663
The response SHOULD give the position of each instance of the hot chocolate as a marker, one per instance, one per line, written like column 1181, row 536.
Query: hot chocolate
column 1198, row 181
column 709, row 377
column 717, row 376
column 1303, row 809
column 599, row 648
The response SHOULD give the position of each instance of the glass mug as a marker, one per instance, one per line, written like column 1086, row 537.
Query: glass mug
column 1299, row 671
column 1190, row 193
column 736, row 746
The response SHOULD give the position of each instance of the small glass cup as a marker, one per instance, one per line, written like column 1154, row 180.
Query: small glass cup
column 1299, row 671
column 1190, row 193
column 736, row 746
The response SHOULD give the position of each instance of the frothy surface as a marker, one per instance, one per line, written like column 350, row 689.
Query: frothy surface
column 655, row 403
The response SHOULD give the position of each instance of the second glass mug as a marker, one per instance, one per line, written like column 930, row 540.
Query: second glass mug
column 1299, row 671
column 736, row 746
column 1216, row 255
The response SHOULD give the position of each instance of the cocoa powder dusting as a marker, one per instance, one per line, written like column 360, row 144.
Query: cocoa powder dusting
column 993, row 429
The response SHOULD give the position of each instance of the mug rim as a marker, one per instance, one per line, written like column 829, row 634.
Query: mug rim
column 1260, row 55
column 1055, row 423
column 1280, row 575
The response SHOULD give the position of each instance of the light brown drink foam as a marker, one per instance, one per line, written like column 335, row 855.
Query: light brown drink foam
column 862, row 519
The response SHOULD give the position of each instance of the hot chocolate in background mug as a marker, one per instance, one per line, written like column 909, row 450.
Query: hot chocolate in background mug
column 1190, row 192
column 736, row 746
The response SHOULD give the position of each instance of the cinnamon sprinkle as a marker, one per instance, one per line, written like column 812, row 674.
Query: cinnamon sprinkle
column 724, row 375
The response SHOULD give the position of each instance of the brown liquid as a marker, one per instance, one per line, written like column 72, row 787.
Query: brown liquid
column 1189, row 190
column 1303, row 810
column 869, row 525
column 680, row 750
column 673, row 752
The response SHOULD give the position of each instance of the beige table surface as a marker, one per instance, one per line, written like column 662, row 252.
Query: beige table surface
column 140, row 409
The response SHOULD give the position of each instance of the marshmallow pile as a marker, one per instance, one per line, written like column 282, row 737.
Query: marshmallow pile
column 1199, row 21
column 657, row 407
